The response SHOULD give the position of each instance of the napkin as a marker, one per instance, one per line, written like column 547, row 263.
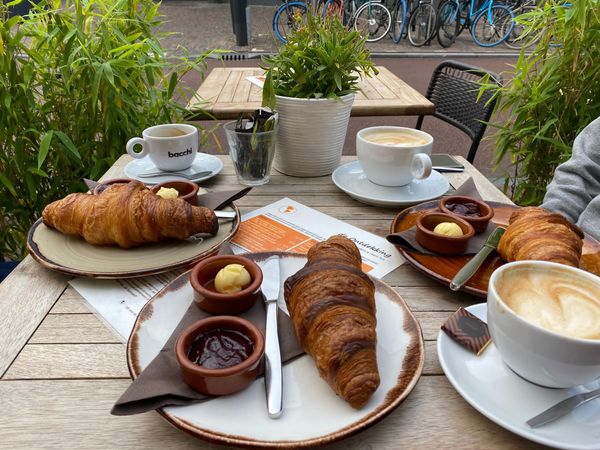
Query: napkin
column 406, row 239
column 161, row 384
column 213, row 200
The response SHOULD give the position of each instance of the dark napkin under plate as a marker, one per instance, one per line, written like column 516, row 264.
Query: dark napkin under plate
column 161, row 384
column 213, row 200
column 407, row 240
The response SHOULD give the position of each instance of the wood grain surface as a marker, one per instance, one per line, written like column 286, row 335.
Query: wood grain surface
column 62, row 369
column 225, row 93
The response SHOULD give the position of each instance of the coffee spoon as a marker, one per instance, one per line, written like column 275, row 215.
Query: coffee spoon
column 562, row 408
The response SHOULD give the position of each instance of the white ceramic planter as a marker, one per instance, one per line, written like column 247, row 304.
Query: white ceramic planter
column 311, row 134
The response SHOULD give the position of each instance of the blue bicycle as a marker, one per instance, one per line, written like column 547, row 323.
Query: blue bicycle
column 490, row 24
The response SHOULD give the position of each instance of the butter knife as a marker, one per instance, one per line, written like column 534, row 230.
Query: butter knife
column 471, row 267
column 273, row 377
column 562, row 408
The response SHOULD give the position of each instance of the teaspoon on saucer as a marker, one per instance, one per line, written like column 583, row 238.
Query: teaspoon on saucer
column 191, row 176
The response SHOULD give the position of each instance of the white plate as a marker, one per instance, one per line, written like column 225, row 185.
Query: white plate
column 202, row 163
column 312, row 413
column 507, row 399
column 351, row 179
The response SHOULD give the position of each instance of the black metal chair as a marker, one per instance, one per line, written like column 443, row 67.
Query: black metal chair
column 454, row 90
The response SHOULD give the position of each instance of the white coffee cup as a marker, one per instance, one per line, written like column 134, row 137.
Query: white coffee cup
column 170, row 146
column 551, row 333
column 394, row 156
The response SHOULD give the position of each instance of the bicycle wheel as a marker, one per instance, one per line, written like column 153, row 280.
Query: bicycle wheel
column 448, row 23
column 422, row 23
column 288, row 17
column 492, row 26
column 398, row 21
column 373, row 20
column 521, row 36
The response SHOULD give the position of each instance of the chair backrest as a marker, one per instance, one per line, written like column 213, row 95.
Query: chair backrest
column 454, row 90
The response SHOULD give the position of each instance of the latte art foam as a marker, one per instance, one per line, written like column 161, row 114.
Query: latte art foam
column 553, row 299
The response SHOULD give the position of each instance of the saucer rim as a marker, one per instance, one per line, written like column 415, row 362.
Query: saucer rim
column 166, row 178
column 378, row 201
column 480, row 309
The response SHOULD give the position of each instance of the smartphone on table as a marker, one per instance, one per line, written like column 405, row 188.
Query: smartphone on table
column 443, row 162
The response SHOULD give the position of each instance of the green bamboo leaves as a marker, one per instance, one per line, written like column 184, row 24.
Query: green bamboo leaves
column 77, row 79
column 321, row 59
column 553, row 94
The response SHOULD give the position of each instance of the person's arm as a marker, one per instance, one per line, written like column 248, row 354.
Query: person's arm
column 576, row 182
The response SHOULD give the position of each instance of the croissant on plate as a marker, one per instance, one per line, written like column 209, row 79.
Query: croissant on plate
column 128, row 215
column 537, row 234
column 332, row 304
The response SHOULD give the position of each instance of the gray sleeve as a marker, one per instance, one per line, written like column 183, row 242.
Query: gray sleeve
column 576, row 182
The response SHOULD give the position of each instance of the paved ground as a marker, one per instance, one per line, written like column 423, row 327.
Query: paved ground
column 202, row 26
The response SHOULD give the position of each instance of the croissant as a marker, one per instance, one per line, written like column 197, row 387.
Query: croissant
column 128, row 215
column 537, row 234
column 332, row 304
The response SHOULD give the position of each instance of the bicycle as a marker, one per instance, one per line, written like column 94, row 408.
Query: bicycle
column 371, row 18
column 422, row 25
column 397, row 30
column 520, row 37
column 490, row 24
column 290, row 15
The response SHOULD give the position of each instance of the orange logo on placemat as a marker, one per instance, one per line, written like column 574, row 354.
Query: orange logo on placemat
column 287, row 209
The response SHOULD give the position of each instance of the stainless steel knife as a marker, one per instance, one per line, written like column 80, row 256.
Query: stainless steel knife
column 471, row 267
column 273, row 376
column 225, row 214
column 562, row 408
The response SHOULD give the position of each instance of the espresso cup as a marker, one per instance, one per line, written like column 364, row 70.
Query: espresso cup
column 394, row 156
column 170, row 147
column 544, row 319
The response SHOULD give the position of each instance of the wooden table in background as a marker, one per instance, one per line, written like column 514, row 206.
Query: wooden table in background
column 62, row 369
column 227, row 93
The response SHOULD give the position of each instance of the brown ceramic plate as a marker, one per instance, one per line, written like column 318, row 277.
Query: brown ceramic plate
column 73, row 256
column 443, row 268
column 312, row 413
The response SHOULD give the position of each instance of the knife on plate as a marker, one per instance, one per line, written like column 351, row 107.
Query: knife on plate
column 473, row 265
column 273, row 377
column 562, row 408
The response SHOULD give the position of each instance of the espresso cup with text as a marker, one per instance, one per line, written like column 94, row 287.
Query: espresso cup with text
column 544, row 319
column 394, row 156
column 170, row 147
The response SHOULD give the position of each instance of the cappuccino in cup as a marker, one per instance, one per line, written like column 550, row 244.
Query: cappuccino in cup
column 395, row 138
column 555, row 300
column 544, row 319
column 394, row 156
column 170, row 147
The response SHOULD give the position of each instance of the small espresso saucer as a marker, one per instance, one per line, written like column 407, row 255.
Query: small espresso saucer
column 351, row 179
column 202, row 162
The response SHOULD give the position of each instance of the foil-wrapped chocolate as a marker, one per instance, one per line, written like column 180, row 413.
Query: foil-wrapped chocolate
column 468, row 330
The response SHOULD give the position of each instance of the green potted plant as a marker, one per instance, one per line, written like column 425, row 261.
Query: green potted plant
column 553, row 92
column 311, row 83
column 79, row 78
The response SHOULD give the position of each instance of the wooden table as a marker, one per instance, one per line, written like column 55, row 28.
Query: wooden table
column 226, row 93
column 62, row 369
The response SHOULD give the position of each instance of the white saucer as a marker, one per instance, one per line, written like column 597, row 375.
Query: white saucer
column 505, row 398
column 351, row 179
column 202, row 162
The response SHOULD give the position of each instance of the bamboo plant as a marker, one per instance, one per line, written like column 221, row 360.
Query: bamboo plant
column 553, row 93
column 77, row 79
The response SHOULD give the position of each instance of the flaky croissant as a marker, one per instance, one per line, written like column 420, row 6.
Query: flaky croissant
column 332, row 304
column 537, row 234
column 128, row 215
